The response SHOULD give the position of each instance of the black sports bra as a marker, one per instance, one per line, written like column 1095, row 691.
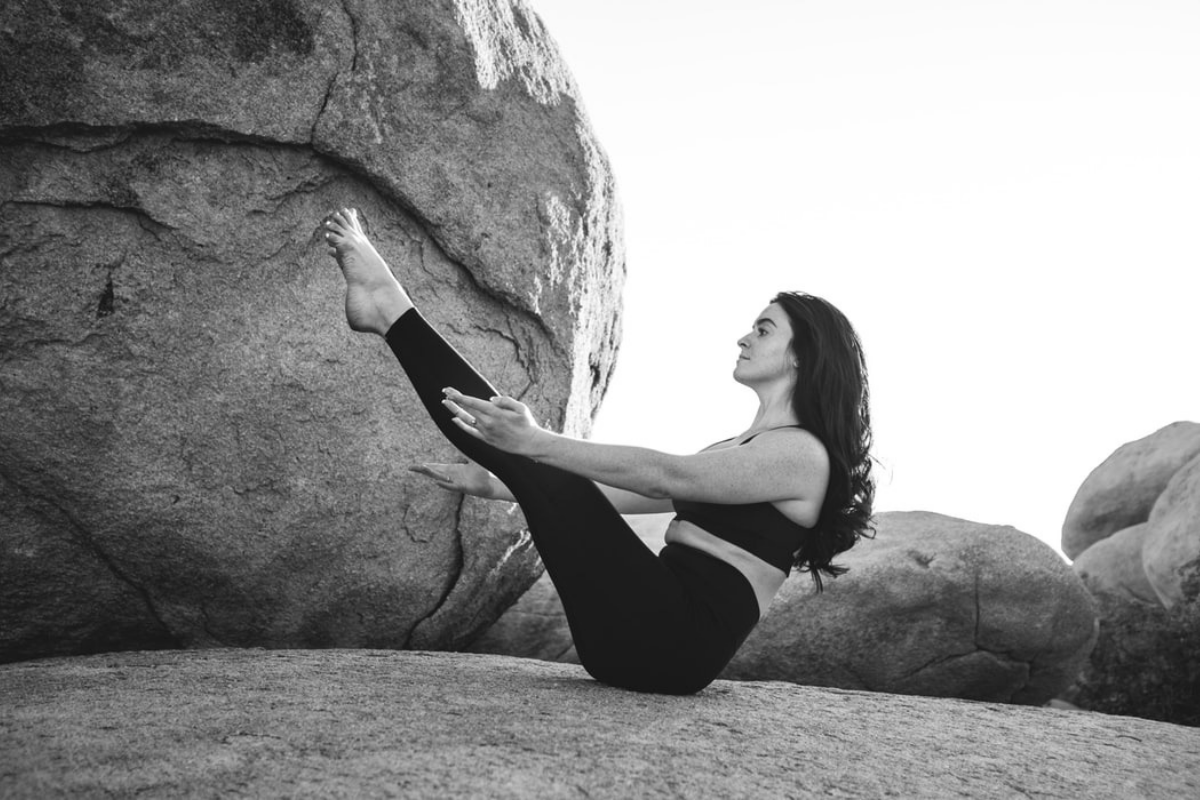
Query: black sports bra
column 758, row 528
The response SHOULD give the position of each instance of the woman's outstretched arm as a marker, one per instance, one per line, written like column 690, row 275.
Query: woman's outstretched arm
column 476, row 481
column 781, row 465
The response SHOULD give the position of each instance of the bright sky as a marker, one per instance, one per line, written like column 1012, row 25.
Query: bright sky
column 1002, row 195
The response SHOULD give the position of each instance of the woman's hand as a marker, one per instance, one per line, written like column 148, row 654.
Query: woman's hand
column 469, row 478
column 502, row 422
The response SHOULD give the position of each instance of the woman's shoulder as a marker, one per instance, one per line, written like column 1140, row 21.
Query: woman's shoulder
column 791, row 437
column 797, row 439
column 721, row 445
column 779, row 432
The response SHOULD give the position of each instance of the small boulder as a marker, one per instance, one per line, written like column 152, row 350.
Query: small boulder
column 1122, row 490
column 1171, row 552
column 1114, row 566
column 935, row 606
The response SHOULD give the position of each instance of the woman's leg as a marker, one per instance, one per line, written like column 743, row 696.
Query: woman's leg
column 612, row 586
column 634, row 618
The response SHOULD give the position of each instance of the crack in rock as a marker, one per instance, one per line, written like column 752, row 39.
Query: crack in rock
column 456, row 573
column 85, row 537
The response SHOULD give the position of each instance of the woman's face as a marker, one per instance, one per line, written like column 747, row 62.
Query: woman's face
column 767, row 350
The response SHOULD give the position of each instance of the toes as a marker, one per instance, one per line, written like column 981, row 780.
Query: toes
column 332, row 229
column 344, row 218
column 354, row 219
column 337, row 225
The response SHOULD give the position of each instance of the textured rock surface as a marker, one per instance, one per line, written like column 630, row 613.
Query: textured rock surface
column 1146, row 662
column 194, row 451
column 535, row 626
column 933, row 606
column 362, row 723
column 1122, row 490
column 1171, row 552
column 1114, row 566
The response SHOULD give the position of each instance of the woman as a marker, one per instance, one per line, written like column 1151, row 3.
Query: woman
column 794, row 489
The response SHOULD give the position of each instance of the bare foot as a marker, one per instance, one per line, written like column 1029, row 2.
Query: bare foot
column 374, row 298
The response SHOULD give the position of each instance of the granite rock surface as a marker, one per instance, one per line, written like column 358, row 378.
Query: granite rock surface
column 194, row 451
column 409, row 724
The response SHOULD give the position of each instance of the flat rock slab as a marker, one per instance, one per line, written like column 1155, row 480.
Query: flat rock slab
column 362, row 723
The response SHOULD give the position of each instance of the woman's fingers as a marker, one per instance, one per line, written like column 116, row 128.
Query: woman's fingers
column 466, row 401
column 468, row 478
column 470, row 410
column 446, row 476
column 469, row 428
column 461, row 417
column 500, row 421
column 429, row 472
column 460, row 413
column 508, row 404
column 482, row 408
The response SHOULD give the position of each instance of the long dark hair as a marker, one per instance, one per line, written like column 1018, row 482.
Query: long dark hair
column 832, row 401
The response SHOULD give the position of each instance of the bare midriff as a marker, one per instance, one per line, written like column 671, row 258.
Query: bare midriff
column 764, row 578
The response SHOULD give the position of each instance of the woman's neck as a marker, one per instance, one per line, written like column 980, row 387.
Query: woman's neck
column 774, row 411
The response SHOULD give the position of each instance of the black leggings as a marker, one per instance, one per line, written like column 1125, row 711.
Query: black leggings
column 667, row 623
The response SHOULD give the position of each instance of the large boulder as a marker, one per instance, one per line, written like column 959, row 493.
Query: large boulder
column 367, row 723
column 1121, row 491
column 934, row 606
column 1114, row 566
column 194, row 450
column 1171, row 552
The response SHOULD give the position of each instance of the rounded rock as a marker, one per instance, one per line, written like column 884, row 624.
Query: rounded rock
column 1122, row 490
column 934, row 606
column 1171, row 552
column 1114, row 566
